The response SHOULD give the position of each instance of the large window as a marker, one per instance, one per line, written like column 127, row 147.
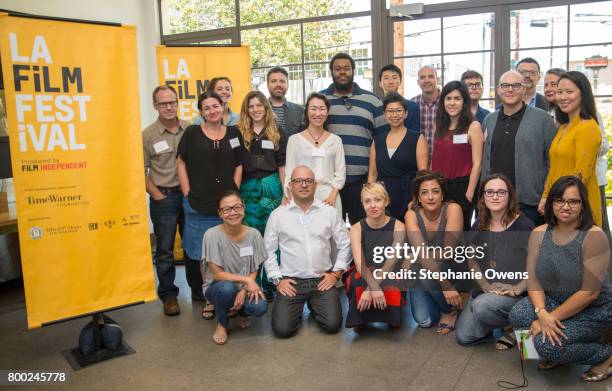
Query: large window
column 451, row 45
column 300, row 35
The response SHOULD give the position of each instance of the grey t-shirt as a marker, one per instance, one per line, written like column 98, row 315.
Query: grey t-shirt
column 241, row 258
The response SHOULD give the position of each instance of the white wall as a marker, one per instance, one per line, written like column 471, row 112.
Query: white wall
column 140, row 13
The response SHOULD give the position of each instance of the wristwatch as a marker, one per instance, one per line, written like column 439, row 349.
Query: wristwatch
column 276, row 280
column 538, row 309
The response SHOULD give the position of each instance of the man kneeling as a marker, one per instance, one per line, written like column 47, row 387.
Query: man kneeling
column 303, row 230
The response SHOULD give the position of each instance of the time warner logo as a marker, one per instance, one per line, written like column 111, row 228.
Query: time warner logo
column 36, row 233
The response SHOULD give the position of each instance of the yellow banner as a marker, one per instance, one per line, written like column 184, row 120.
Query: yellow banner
column 73, row 115
column 189, row 69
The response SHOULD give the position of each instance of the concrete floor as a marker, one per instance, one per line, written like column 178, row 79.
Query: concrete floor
column 175, row 353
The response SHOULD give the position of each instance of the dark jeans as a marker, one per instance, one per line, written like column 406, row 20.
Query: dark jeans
column 532, row 213
column 166, row 215
column 325, row 306
column 350, row 195
column 223, row 293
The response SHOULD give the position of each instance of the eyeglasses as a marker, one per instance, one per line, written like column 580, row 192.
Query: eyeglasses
column 303, row 181
column 560, row 203
column 500, row 193
column 395, row 112
column 347, row 102
column 508, row 86
column 474, row 86
column 529, row 73
column 167, row 105
column 228, row 209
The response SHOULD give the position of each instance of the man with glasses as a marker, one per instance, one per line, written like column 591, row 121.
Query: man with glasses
column 289, row 115
column 302, row 231
column 160, row 141
column 428, row 103
column 356, row 115
column 530, row 71
column 390, row 79
column 473, row 81
column 517, row 140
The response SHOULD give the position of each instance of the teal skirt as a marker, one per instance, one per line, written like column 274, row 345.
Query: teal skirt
column 261, row 197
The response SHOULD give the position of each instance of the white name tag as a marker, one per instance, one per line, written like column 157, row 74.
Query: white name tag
column 246, row 251
column 267, row 144
column 234, row 142
column 460, row 138
column 318, row 152
column 161, row 146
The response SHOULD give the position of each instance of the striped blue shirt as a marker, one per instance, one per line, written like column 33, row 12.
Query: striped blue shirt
column 356, row 118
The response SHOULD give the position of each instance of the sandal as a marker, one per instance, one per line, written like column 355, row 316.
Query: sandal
column 445, row 328
column 220, row 339
column 592, row 376
column 244, row 322
column 545, row 365
column 208, row 311
column 506, row 341
column 232, row 314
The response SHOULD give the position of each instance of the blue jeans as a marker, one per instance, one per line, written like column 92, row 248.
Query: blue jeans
column 223, row 293
column 196, row 224
column 166, row 215
column 481, row 316
column 427, row 303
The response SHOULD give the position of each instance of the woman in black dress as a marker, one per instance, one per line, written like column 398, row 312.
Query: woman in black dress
column 372, row 297
column 397, row 155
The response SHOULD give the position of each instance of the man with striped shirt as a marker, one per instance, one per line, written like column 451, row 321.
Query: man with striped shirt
column 355, row 115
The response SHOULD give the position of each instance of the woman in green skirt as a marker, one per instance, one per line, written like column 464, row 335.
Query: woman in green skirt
column 264, row 166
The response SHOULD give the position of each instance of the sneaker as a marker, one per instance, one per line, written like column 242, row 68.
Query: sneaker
column 171, row 307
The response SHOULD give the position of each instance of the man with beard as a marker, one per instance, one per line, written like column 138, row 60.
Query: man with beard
column 355, row 115
column 289, row 116
column 530, row 70
column 428, row 103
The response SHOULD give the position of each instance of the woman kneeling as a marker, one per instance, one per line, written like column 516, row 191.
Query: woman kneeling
column 233, row 252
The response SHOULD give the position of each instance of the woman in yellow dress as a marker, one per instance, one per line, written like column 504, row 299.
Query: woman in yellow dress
column 574, row 148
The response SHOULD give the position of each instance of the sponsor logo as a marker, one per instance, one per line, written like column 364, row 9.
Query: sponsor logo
column 36, row 233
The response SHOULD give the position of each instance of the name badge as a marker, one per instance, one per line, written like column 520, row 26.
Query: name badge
column 460, row 138
column 234, row 142
column 318, row 152
column 161, row 146
column 246, row 251
column 267, row 144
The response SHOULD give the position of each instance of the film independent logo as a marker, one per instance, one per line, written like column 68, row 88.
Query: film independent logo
column 36, row 233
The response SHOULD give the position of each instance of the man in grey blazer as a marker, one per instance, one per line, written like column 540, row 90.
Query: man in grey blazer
column 517, row 140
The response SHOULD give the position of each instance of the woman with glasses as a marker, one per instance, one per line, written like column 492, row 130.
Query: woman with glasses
column 575, row 148
column 397, row 155
column 222, row 86
column 264, row 166
column 233, row 253
column 457, row 149
column 433, row 221
column 373, row 297
column 503, row 233
column 209, row 162
column 319, row 150
column 551, row 78
column 569, row 308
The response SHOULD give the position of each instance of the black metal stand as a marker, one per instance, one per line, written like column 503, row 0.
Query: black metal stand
column 77, row 360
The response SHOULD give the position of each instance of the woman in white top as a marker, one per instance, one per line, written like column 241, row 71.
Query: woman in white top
column 319, row 150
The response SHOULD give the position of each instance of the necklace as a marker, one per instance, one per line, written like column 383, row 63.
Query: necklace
column 492, row 262
column 316, row 140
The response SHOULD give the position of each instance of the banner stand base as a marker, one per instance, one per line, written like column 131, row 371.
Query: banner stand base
column 78, row 360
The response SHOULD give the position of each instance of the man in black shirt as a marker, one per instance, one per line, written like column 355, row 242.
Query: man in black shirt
column 517, row 140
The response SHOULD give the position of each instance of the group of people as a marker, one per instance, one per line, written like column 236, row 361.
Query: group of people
column 260, row 198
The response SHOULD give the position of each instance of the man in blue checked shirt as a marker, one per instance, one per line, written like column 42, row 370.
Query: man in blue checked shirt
column 355, row 115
